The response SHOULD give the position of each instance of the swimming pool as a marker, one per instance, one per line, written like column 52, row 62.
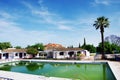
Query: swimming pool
column 80, row 71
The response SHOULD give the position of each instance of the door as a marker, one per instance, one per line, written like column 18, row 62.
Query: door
column 20, row 55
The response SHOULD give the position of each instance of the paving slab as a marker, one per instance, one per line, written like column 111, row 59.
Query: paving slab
column 21, row 76
column 115, row 67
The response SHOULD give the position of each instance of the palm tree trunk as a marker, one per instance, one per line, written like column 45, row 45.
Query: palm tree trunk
column 102, row 51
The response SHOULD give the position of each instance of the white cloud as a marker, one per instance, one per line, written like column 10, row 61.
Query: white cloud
column 40, row 1
column 80, row 27
column 11, row 31
column 48, row 17
column 104, row 2
column 99, row 2
column 63, row 27
column 27, row 4
column 114, row 24
column 5, row 15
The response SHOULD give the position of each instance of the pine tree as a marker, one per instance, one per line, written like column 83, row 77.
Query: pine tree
column 79, row 45
column 84, row 42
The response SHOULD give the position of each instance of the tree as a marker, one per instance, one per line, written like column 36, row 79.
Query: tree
column 38, row 46
column 90, row 48
column 79, row 46
column 32, row 51
column 102, row 23
column 18, row 47
column 107, row 48
column 5, row 45
column 70, row 46
column 115, row 48
column 84, row 42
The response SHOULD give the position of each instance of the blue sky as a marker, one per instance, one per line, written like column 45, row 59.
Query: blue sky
column 67, row 22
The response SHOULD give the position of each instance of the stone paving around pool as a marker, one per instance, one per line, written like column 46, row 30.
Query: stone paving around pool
column 115, row 67
column 22, row 76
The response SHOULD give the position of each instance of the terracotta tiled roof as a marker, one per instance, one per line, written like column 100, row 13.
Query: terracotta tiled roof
column 68, row 49
column 14, row 50
column 53, row 46
column 58, row 47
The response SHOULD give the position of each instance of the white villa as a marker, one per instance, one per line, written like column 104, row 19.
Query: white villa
column 55, row 51
column 69, row 53
column 62, row 53
column 12, row 53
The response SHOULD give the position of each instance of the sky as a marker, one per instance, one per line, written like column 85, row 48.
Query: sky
column 66, row 22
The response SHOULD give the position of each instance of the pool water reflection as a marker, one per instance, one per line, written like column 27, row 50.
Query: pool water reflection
column 82, row 71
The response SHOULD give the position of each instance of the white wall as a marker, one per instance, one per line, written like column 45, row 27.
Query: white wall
column 0, row 51
column 12, row 55
column 87, row 53
column 57, row 55
column 2, row 57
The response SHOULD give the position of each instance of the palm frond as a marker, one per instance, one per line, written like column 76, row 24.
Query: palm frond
column 101, row 22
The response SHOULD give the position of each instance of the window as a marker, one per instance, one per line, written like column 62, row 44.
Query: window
column 16, row 54
column 61, row 53
column 45, row 54
column 3, row 55
column 24, row 54
column 40, row 54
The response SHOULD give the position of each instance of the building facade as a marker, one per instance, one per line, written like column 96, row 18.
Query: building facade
column 55, row 51
column 63, row 53
column 12, row 53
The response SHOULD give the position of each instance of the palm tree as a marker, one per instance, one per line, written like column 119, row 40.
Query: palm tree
column 102, row 23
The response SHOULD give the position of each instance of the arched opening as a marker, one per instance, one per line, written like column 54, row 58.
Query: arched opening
column 20, row 55
column 61, row 53
column 50, row 55
column 42, row 54
column 78, row 53
column 6, row 55
column 25, row 54
column 71, row 53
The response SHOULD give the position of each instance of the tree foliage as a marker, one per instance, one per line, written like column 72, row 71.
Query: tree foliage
column 84, row 44
column 38, row 46
column 5, row 45
column 32, row 51
column 89, row 47
column 17, row 47
column 79, row 46
column 109, row 48
column 70, row 46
